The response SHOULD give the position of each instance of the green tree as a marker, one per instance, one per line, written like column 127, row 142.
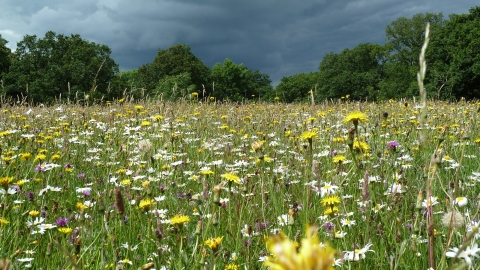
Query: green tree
column 43, row 68
column 455, row 57
column 5, row 57
column 174, row 87
column 237, row 82
column 173, row 61
column 355, row 72
column 405, row 38
column 296, row 87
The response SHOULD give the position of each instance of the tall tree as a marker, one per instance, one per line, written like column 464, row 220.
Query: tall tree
column 355, row 72
column 296, row 87
column 237, row 82
column 5, row 57
column 455, row 57
column 173, row 61
column 43, row 68
column 405, row 37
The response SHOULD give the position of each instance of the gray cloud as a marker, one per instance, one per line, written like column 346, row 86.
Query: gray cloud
column 279, row 38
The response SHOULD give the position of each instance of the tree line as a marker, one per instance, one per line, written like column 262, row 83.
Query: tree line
column 70, row 68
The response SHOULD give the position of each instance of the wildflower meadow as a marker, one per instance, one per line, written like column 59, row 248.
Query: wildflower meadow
column 201, row 184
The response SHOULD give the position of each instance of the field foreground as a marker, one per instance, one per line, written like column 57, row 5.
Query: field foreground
column 225, row 186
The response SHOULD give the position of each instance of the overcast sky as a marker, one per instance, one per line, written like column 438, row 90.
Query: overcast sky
column 277, row 37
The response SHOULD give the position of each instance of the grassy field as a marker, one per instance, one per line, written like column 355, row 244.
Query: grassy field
column 192, row 185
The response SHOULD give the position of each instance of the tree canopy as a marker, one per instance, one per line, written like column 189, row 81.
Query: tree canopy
column 237, row 82
column 175, row 60
column 43, row 69
column 296, row 88
column 355, row 72
column 5, row 57
column 455, row 57
column 55, row 66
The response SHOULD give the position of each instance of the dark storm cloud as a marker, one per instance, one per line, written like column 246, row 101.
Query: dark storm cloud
column 279, row 38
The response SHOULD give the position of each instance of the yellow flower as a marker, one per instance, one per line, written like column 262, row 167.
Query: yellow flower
column 310, row 255
column 330, row 200
column 5, row 181
column 65, row 230
column 138, row 107
column 213, row 243
column 206, row 172
column 231, row 177
column 145, row 123
column 33, row 213
column 339, row 159
column 40, row 157
column 355, row 117
column 146, row 184
column 121, row 171
column 4, row 221
column 257, row 145
column 361, row 146
column 330, row 211
column 338, row 140
column 146, row 204
column 80, row 206
column 158, row 117
column 126, row 182
column 121, row 100
column 308, row 136
column 25, row 156
column 179, row 219
column 232, row 266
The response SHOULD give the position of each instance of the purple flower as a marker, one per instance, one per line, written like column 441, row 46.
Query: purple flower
column 39, row 168
column 86, row 193
column 62, row 222
column 393, row 145
column 68, row 165
column 125, row 219
column 329, row 226
column 43, row 213
column 81, row 175
column 30, row 196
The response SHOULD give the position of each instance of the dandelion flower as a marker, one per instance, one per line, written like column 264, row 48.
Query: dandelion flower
column 308, row 136
column 81, row 206
column 257, row 145
column 339, row 159
column 145, row 204
column 362, row 147
column 33, row 213
column 5, row 181
column 310, row 255
column 4, row 221
column 65, row 230
column 355, row 117
column 330, row 200
column 231, row 177
column 179, row 219
column 213, row 243
column 331, row 211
